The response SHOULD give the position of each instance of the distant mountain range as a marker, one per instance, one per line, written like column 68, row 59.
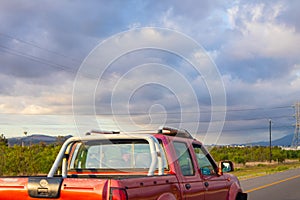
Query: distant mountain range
column 284, row 141
column 39, row 138
column 36, row 139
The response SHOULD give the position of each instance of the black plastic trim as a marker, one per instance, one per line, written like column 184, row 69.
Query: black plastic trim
column 44, row 187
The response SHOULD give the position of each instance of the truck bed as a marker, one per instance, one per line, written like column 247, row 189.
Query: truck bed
column 85, row 186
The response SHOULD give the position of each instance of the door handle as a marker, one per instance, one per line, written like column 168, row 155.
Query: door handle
column 188, row 186
column 206, row 184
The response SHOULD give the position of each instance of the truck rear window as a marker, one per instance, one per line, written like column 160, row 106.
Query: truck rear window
column 111, row 154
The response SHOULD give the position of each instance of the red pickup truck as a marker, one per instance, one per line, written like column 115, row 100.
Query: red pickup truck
column 167, row 165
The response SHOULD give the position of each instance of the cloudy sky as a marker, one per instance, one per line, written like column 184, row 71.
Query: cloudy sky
column 71, row 66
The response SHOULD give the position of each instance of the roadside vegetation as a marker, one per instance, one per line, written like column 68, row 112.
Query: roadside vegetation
column 249, row 161
column 243, row 155
column 251, row 170
column 254, row 161
column 28, row 160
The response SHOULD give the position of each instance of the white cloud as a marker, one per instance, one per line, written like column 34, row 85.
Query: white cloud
column 35, row 109
column 261, row 34
column 30, row 97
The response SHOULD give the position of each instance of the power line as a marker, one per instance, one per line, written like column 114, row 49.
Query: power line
column 224, row 130
column 43, row 61
column 35, row 59
column 39, row 47
column 172, row 121
column 256, row 128
column 196, row 112
column 144, row 114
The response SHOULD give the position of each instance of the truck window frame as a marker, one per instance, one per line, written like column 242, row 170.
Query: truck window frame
column 184, row 158
column 80, row 162
column 164, row 157
column 206, row 164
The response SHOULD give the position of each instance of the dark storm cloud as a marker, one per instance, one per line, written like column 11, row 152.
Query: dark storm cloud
column 53, row 36
column 252, row 70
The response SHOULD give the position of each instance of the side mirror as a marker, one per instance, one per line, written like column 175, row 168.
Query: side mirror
column 226, row 166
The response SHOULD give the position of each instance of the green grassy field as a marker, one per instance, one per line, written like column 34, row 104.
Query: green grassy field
column 251, row 170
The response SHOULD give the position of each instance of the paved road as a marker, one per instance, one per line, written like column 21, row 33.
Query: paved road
column 279, row 186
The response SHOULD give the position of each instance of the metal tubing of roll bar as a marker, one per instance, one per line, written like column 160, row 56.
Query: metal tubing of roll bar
column 155, row 151
column 60, row 157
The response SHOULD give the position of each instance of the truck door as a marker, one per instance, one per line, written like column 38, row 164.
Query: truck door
column 216, row 186
column 190, row 182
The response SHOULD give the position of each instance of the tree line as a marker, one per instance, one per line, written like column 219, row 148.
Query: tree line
column 28, row 160
column 21, row 160
column 37, row 159
column 253, row 154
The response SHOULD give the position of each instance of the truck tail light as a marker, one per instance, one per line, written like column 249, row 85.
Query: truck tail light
column 118, row 194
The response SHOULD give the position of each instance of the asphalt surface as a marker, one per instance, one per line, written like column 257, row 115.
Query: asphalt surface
column 279, row 186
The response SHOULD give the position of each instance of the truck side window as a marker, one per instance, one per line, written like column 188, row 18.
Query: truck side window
column 204, row 161
column 184, row 159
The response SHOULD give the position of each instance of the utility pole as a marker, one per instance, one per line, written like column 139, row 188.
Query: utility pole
column 270, row 145
column 295, row 142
